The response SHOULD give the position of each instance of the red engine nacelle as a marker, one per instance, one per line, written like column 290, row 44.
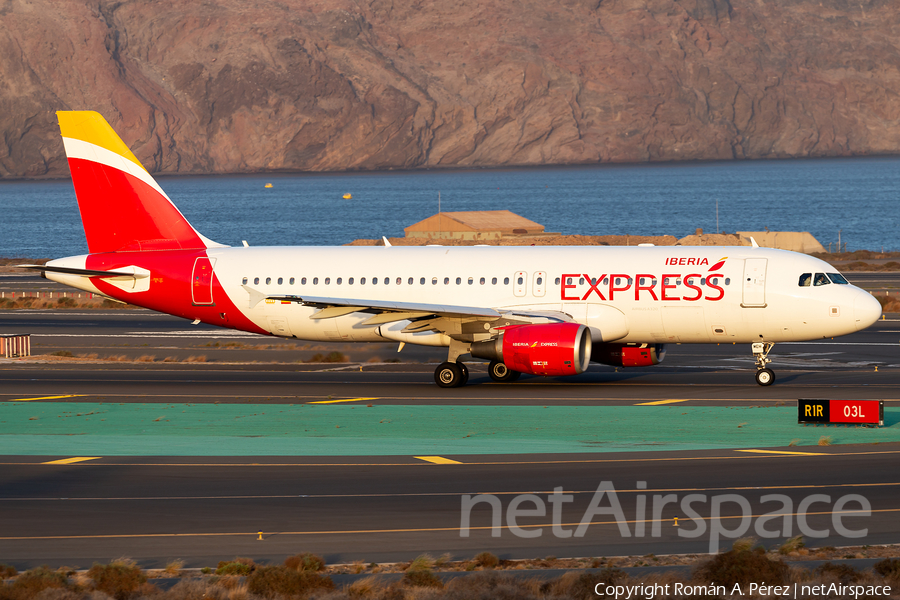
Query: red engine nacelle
column 623, row 355
column 546, row 349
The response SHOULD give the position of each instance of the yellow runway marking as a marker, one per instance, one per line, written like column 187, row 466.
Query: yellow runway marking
column 345, row 400
column 46, row 398
column 499, row 462
column 69, row 461
column 785, row 452
column 415, row 530
column 660, row 402
column 438, row 460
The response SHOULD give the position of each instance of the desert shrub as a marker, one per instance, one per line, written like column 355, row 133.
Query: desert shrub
column 121, row 579
column 238, row 566
column 280, row 580
column 7, row 571
column 889, row 568
column 331, row 357
column 34, row 581
column 195, row 589
column 575, row 585
column 422, row 578
column 743, row 566
column 66, row 302
column 491, row 585
column 792, row 545
column 486, row 560
column 305, row 561
column 842, row 572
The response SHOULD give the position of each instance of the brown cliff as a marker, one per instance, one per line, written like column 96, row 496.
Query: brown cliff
column 254, row 85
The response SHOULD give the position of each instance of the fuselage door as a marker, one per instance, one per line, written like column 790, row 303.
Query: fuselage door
column 520, row 283
column 539, row 287
column 201, row 282
column 754, row 283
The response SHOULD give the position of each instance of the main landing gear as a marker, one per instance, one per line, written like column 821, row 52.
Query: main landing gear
column 451, row 374
column 764, row 375
column 500, row 373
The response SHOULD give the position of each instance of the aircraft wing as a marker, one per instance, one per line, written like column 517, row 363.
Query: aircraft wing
column 131, row 272
column 424, row 316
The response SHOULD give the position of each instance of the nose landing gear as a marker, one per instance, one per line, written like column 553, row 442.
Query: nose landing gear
column 764, row 375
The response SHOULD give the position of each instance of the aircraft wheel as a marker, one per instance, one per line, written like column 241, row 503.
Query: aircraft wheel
column 465, row 372
column 765, row 376
column 449, row 375
column 500, row 373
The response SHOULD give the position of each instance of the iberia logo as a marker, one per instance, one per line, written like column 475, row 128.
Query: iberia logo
column 719, row 264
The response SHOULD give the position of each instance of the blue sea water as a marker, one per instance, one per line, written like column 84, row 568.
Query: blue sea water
column 857, row 197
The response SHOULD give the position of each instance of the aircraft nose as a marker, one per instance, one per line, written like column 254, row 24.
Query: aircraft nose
column 866, row 310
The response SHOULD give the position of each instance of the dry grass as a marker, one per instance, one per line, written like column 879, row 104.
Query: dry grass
column 120, row 579
column 792, row 545
column 305, row 561
column 195, row 359
column 825, row 440
column 145, row 358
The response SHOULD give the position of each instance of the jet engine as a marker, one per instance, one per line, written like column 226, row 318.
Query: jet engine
column 628, row 355
column 543, row 349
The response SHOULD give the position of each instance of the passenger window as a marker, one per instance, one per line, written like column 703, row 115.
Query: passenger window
column 303, row 281
column 399, row 280
column 471, row 281
column 244, row 281
column 291, row 281
column 805, row 280
column 521, row 280
column 630, row 280
column 540, row 281
column 256, row 281
column 269, row 281
column 315, row 281
column 665, row 281
column 339, row 281
column 606, row 281
column 280, row 281
column 362, row 281
column 838, row 278
column 703, row 281
column 506, row 280
column 328, row 281
column 446, row 281
column 618, row 280
column 494, row 281
column 481, row 281
column 580, row 280
column 434, row 281
column 677, row 282
column 410, row 282
column 458, row 280
column 568, row 281
column 557, row 281
column 387, row 280
column 821, row 279
column 350, row 281
column 422, row 281
column 374, row 281
column 727, row 281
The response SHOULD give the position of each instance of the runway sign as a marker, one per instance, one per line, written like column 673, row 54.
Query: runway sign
column 867, row 412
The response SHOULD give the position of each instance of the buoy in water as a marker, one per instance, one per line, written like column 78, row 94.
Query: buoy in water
column 348, row 196
column 268, row 185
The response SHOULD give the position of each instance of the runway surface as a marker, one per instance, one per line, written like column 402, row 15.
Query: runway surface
column 375, row 496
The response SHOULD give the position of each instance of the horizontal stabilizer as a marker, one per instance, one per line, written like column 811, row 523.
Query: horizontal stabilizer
column 134, row 273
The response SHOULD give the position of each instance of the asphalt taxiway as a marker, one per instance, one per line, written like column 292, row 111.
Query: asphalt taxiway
column 371, row 461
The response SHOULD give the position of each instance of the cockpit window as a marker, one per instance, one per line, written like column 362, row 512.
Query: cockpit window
column 821, row 279
column 805, row 280
column 838, row 278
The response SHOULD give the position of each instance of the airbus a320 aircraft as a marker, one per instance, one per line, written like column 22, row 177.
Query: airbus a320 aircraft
column 540, row 310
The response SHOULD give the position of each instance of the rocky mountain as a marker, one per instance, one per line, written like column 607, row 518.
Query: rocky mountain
column 255, row 85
